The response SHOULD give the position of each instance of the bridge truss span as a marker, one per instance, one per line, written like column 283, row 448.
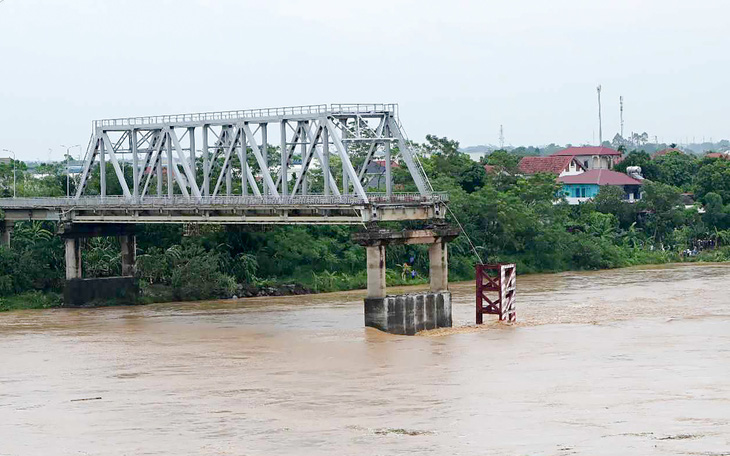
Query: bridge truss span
column 302, row 164
column 273, row 151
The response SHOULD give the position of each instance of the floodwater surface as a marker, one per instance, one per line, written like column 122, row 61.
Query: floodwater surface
column 623, row 362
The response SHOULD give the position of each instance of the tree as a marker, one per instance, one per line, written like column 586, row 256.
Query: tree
column 713, row 176
column 639, row 158
column 676, row 169
column 662, row 202
column 441, row 146
column 504, row 160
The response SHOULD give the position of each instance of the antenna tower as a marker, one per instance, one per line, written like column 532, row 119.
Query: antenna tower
column 621, row 103
column 501, row 137
column 600, row 126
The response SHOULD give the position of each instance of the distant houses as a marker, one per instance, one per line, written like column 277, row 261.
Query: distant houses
column 666, row 151
column 582, row 171
column 592, row 157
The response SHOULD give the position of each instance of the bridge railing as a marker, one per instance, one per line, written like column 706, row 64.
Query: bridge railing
column 216, row 116
column 222, row 201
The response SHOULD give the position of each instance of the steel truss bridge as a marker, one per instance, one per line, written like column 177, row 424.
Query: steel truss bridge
column 225, row 167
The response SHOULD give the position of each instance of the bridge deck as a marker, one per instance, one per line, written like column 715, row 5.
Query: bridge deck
column 307, row 209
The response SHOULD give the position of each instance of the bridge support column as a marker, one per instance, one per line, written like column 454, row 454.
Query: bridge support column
column 407, row 314
column 7, row 232
column 73, row 258
column 128, row 243
column 438, row 266
column 376, row 270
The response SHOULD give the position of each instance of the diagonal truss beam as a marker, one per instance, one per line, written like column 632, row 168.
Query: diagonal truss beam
column 263, row 166
column 115, row 164
column 346, row 162
column 189, row 173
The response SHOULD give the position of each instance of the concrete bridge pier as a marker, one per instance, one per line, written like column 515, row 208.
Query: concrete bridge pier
column 80, row 291
column 376, row 270
column 73, row 258
column 7, row 232
column 128, row 243
column 407, row 314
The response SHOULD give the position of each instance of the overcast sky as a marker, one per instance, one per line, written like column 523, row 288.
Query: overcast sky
column 457, row 68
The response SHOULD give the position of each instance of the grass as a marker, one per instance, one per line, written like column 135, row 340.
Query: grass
column 31, row 300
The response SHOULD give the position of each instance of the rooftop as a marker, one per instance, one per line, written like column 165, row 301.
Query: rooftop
column 586, row 150
column 600, row 177
column 554, row 164
column 665, row 152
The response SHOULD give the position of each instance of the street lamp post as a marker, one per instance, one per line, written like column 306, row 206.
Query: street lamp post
column 14, row 160
column 68, row 170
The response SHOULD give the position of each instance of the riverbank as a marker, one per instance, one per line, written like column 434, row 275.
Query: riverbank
column 323, row 283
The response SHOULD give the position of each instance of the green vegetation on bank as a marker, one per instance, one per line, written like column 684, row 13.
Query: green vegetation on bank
column 509, row 218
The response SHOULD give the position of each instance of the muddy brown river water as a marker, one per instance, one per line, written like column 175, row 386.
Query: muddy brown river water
column 623, row 362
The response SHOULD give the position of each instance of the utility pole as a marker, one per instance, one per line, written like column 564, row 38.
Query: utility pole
column 501, row 137
column 600, row 126
column 621, row 103
column 68, row 170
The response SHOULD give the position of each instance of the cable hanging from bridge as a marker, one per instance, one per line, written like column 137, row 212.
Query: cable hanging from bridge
column 430, row 187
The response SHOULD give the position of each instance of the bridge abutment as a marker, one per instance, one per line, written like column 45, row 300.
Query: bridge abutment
column 410, row 313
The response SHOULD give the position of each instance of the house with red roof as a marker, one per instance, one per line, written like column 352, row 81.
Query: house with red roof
column 584, row 186
column 562, row 165
column 665, row 152
column 592, row 157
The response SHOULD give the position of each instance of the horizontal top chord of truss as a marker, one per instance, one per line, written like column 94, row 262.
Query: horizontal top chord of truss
column 250, row 115
column 336, row 150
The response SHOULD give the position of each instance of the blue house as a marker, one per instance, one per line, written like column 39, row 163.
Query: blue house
column 582, row 187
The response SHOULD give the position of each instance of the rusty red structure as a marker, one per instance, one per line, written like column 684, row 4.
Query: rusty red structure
column 496, row 288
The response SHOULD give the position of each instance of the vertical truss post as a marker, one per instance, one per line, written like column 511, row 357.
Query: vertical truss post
column 191, row 138
column 326, row 160
column 388, row 166
column 244, row 162
column 170, row 164
column 239, row 154
column 228, row 170
column 102, row 167
column 345, row 183
column 135, row 163
column 283, row 171
column 264, row 149
column 303, row 151
column 206, row 163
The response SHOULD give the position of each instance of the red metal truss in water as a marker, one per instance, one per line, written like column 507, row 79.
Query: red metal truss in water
column 496, row 288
